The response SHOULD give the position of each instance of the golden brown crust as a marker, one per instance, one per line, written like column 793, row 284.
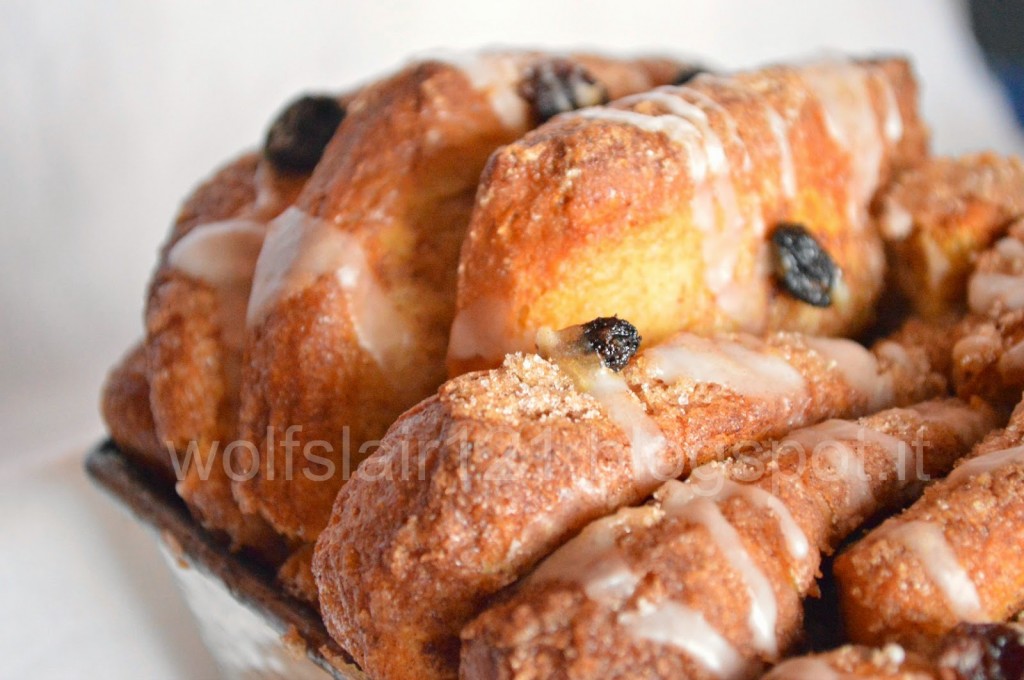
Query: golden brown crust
column 193, row 368
column 886, row 593
column 938, row 216
column 398, row 181
column 589, row 217
column 988, row 358
column 550, row 627
column 888, row 663
column 989, row 651
column 468, row 490
column 296, row 576
column 125, row 407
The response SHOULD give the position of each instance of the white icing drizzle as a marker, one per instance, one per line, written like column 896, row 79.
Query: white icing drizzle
column 715, row 208
column 481, row 329
column 723, row 488
column 728, row 226
column 979, row 465
column 928, row 543
column 671, row 623
column 627, row 412
column 937, row 263
column 986, row 289
column 682, row 501
column 299, row 249
column 268, row 201
column 896, row 223
column 833, row 442
column 222, row 255
column 787, row 170
column 673, row 127
column 804, row 668
column 892, row 124
column 494, row 75
column 842, row 88
column 724, row 362
column 828, row 442
column 859, row 368
column 1010, row 248
column 592, row 560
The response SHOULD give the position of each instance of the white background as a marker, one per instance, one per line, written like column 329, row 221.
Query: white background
column 111, row 111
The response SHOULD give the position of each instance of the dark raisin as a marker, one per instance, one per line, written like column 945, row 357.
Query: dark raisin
column 802, row 266
column 298, row 136
column 688, row 73
column 983, row 651
column 615, row 340
column 560, row 85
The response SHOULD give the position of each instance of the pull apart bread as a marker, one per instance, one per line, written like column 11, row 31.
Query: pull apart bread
column 969, row 652
column 354, row 290
column 472, row 487
column 988, row 358
column 659, row 208
column 707, row 581
column 956, row 555
column 349, row 305
column 937, row 216
column 195, row 330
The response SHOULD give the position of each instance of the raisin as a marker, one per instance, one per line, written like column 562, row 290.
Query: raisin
column 984, row 651
column 802, row 266
column 688, row 73
column 559, row 85
column 615, row 340
column 300, row 133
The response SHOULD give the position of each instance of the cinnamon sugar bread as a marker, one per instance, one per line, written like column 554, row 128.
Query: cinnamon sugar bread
column 354, row 290
column 397, row 181
column 659, row 208
column 955, row 555
column 474, row 486
column 969, row 652
column 938, row 215
column 309, row 294
column 707, row 581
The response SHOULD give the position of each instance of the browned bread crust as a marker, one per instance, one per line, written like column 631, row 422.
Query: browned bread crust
column 988, row 359
column 669, row 565
column 659, row 208
column 473, row 486
column 891, row 662
column 938, row 216
column 386, row 210
column 125, row 408
column 993, row 651
column 193, row 345
column 967, row 529
column 296, row 575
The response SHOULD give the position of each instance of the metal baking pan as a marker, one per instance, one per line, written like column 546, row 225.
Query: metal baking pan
column 251, row 627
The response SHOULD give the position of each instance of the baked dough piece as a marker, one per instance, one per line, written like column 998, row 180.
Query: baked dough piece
column 891, row 662
column 474, row 486
column 968, row 652
column 988, row 359
column 660, row 208
column 955, row 555
column 708, row 580
column 125, row 407
column 938, row 216
column 354, row 289
column 296, row 575
column 194, row 330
